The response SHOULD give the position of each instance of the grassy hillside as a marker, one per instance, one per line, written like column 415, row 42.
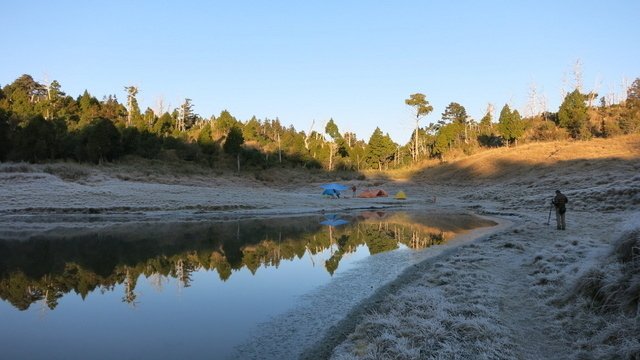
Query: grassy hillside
column 598, row 157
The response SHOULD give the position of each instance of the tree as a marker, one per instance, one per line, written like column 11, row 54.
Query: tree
column 5, row 131
column 164, row 125
column 133, row 110
column 224, row 123
column 89, row 108
column 102, row 141
column 510, row 125
column 186, row 116
column 233, row 143
column 421, row 108
column 457, row 114
column 487, row 119
column 630, row 122
column 572, row 114
column 445, row 136
column 380, row 149
column 36, row 140
column 25, row 96
column 54, row 99
column 337, row 146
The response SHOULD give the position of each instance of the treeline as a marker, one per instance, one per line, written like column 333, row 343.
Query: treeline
column 39, row 122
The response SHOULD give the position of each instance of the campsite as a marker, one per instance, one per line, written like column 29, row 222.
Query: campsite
column 311, row 180
column 512, row 280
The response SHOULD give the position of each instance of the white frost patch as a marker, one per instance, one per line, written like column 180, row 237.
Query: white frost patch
column 288, row 334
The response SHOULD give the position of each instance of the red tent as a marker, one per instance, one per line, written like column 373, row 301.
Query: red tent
column 373, row 193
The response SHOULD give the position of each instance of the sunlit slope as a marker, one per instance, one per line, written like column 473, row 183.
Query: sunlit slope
column 599, row 159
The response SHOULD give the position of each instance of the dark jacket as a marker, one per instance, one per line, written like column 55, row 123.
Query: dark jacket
column 560, row 200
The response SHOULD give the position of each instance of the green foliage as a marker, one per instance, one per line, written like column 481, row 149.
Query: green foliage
column 331, row 129
column 102, row 141
column 630, row 122
column 206, row 142
column 36, row 140
column 380, row 149
column 24, row 97
column 234, row 141
column 455, row 113
column 445, row 138
column 5, row 135
column 572, row 114
column 164, row 125
column 224, row 123
column 141, row 143
column 510, row 125
column 181, row 133
column 420, row 104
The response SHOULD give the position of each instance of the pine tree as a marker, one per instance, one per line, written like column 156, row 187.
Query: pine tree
column 510, row 125
column 572, row 114
column 380, row 149
column 233, row 143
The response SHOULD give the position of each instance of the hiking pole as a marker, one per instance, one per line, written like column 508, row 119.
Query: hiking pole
column 549, row 218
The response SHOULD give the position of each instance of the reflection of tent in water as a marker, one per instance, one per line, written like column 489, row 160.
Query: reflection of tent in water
column 373, row 193
column 372, row 215
column 336, row 249
column 333, row 220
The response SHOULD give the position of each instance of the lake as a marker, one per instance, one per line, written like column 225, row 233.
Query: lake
column 187, row 289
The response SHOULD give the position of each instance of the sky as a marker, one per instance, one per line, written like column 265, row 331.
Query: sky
column 305, row 62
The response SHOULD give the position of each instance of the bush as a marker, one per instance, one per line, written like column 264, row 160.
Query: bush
column 100, row 141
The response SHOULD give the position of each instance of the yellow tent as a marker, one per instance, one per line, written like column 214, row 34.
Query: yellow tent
column 400, row 195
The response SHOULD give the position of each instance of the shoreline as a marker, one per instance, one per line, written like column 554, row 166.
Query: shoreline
column 336, row 334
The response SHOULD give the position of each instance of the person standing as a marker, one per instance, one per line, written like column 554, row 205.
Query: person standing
column 560, row 201
column 353, row 188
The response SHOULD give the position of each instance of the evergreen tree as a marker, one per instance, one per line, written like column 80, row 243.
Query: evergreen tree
column 510, row 125
column 380, row 149
column 5, row 132
column 233, row 143
column 54, row 99
column 163, row 126
column 89, row 108
column 572, row 114
column 630, row 122
column 224, row 123
column 36, row 140
column 134, row 117
column 457, row 114
column 25, row 97
column 102, row 141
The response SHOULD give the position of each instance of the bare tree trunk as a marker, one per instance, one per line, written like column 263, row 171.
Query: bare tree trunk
column 306, row 138
column 279, row 150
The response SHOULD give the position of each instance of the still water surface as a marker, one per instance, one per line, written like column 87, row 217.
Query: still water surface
column 185, row 290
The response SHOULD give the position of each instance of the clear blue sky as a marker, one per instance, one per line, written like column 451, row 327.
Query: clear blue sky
column 353, row 61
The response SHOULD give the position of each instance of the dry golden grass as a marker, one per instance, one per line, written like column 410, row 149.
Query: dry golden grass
column 562, row 157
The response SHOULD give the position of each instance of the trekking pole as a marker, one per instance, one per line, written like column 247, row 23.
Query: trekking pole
column 549, row 218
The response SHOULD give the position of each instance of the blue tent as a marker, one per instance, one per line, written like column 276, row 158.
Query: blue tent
column 334, row 186
column 331, row 192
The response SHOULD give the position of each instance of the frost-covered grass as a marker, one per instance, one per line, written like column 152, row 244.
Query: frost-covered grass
column 602, row 308
column 528, row 293
column 453, row 311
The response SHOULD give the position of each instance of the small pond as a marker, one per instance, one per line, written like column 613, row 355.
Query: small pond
column 187, row 289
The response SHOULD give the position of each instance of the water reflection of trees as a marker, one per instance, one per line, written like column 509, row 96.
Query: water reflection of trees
column 43, row 269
